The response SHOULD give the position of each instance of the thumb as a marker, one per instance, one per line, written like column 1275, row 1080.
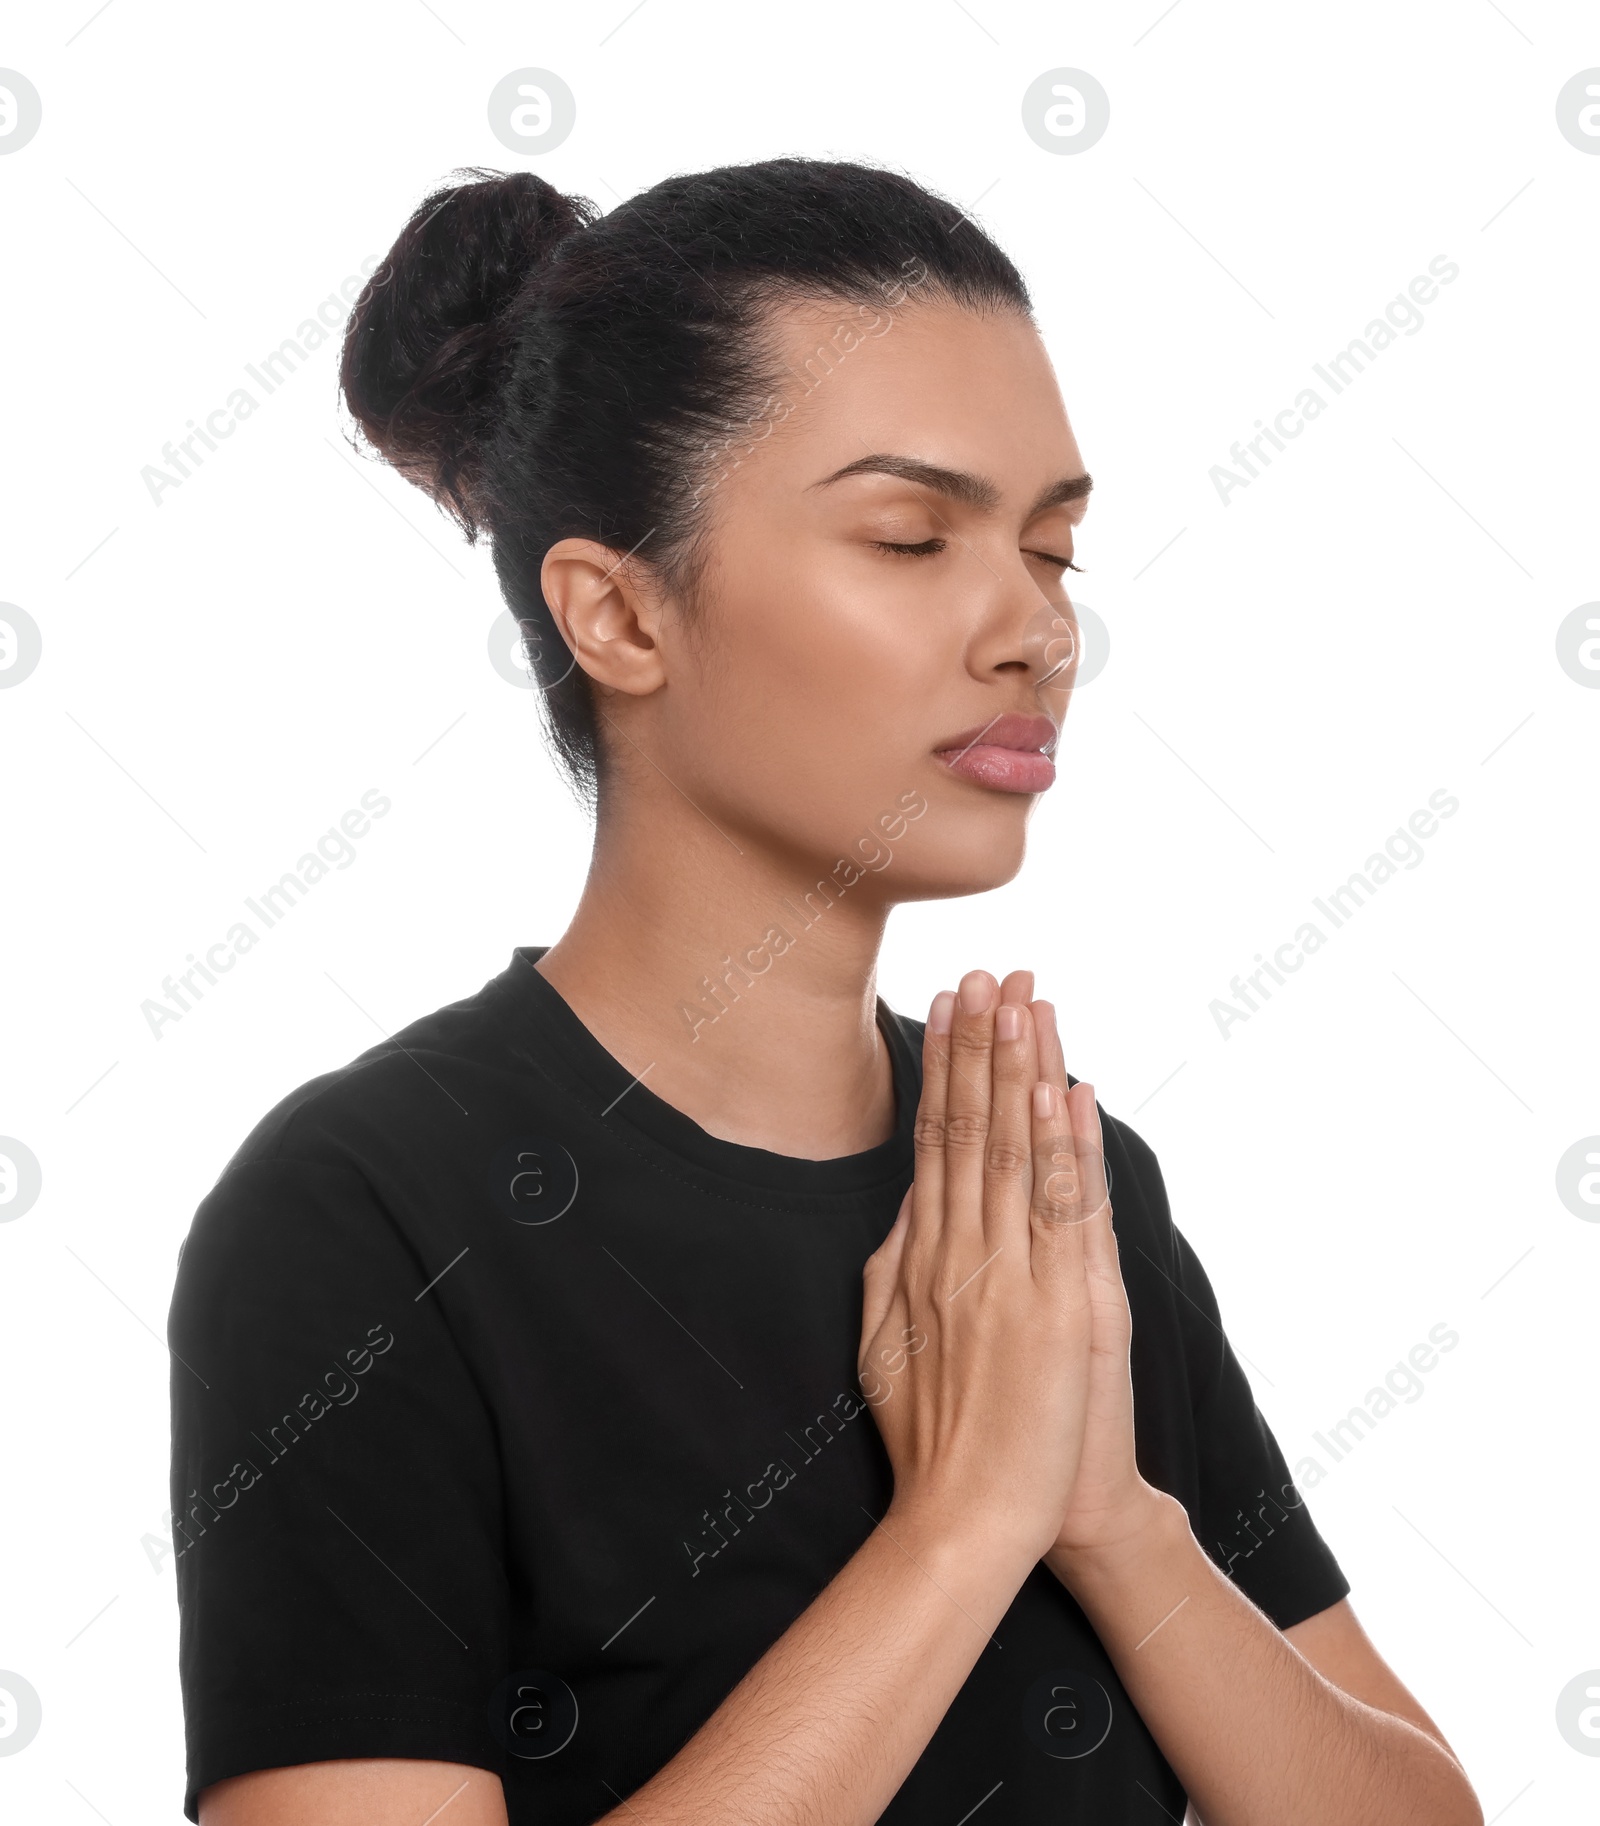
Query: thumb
column 881, row 1274
column 1101, row 1257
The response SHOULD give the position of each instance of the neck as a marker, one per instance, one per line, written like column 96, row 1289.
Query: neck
column 737, row 988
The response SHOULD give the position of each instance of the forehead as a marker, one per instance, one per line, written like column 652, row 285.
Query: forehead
column 964, row 389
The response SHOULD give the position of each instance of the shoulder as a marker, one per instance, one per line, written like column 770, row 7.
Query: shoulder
column 345, row 1161
column 394, row 1095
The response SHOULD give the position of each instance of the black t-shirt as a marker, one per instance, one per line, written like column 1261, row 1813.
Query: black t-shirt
column 515, row 1417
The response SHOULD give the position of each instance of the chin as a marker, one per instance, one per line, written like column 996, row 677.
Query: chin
column 969, row 862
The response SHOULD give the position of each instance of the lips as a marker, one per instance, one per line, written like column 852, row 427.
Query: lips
column 1009, row 753
column 1010, row 730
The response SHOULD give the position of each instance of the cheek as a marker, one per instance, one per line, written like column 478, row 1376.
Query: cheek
column 811, row 698
column 818, row 640
column 891, row 626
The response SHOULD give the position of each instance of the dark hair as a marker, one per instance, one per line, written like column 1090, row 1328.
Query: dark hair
column 543, row 371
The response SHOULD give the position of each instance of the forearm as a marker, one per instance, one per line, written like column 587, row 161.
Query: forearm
column 1253, row 1731
column 828, row 1723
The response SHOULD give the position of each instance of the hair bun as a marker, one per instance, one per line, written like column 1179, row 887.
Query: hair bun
column 426, row 346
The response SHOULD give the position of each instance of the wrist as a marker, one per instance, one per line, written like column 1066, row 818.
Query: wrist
column 939, row 1534
column 1153, row 1523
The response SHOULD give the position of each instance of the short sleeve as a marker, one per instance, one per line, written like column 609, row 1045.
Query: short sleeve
column 1253, row 1520
column 336, row 1492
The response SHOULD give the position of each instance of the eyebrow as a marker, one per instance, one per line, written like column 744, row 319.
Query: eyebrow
column 962, row 485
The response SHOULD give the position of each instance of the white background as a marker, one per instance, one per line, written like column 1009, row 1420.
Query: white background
column 1373, row 1153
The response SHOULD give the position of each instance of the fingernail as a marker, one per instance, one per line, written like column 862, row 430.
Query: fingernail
column 975, row 993
column 941, row 1011
column 1043, row 1100
column 1008, row 1022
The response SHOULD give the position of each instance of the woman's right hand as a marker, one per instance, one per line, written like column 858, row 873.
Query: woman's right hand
column 975, row 1315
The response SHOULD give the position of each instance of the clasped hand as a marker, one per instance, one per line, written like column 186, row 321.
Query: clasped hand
column 1014, row 1416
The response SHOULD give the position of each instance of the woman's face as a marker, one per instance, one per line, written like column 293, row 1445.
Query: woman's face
column 884, row 590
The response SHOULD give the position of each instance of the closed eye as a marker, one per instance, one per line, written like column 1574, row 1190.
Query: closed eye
column 927, row 548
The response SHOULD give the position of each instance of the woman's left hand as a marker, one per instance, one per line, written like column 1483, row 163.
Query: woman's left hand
column 1111, row 1502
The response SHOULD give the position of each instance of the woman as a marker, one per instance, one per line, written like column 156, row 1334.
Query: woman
column 669, row 1385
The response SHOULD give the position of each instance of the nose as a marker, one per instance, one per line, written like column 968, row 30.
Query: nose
column 1051, row 641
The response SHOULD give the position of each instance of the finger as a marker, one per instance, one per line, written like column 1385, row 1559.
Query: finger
column 1089, row 1146
column 1054, row 1209
column 1017, row 987
column 1008, row 1164
column 968, row 1107
column 927, row 1184
column 1052, row 1064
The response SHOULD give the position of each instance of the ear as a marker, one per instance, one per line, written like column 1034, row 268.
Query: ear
column 606, row 615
